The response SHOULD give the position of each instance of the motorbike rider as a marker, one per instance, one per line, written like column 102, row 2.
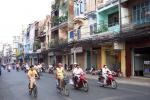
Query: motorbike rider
column 60, row 75
column 105, row 71
column 27, row 67
column 77, row 71
column 32, row 73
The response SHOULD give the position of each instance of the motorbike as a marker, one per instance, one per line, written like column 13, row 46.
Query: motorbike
column 8, row 69
column 51, row 70
column 109, row 82
column 81, row 82
column 17, row 68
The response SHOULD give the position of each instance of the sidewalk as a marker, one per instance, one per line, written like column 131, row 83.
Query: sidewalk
column 140, row 81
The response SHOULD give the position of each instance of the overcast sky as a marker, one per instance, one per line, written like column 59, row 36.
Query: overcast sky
column 15, row 13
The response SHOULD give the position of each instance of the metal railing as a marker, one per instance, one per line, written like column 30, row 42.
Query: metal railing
column 57, row 42
column 59, row 20
column 130, row 24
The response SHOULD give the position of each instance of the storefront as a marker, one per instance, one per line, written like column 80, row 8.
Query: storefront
column 138, row 57
column 141, row 65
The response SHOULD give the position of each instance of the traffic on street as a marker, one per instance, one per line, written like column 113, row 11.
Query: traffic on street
column 14, row 86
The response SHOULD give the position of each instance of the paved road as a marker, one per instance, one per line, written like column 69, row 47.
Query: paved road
column 13, row 86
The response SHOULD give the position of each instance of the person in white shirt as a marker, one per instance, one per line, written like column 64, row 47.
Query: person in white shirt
column 76, row 73
column 105, row 72
column 27, row 66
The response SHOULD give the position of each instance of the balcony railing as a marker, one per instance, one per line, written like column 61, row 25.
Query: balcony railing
column 36, row 45
column 130, row 24
column 57, row 42
column 109, row 2
column 43, row 45
column 103, row 27
column 59, row 20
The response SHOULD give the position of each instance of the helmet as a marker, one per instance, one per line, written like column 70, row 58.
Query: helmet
column 59, row 64
column 31, row 66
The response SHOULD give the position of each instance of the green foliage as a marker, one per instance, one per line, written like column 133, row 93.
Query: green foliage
column 59, row 20
column 102, row 28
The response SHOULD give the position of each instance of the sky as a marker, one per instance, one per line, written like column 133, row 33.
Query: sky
column 17, row 13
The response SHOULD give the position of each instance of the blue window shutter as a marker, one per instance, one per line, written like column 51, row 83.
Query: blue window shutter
column 71, row 34
column 82, row 7
column 79, row 33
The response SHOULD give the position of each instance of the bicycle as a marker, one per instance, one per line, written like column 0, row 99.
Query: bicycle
column 65, row 87
column 33, row 91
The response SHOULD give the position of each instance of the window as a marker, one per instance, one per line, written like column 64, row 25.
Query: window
column 71, row 35
column 141, row 12
column 93, row 29
column 113, row 19
column 79, row 32
column 82, row 7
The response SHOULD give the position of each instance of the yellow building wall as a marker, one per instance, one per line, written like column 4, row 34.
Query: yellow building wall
column 99, row 58
column 80, row 59
column 103, row 56
column 123, row 62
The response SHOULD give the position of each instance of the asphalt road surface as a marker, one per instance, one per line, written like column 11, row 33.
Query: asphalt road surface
column 13, row 86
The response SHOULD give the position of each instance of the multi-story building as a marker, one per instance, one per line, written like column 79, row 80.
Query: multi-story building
column 96, row 25
column 59, row 31
column 17, row 49
column 135, row 15
column 41, row 40
column 94, row 33
column 28, row 43
column 7, row 53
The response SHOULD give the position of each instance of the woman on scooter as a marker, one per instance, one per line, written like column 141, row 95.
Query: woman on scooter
column 105, row 72
column 77, row 71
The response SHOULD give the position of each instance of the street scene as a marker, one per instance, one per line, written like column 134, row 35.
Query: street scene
column 75, row 50
column 13, row 86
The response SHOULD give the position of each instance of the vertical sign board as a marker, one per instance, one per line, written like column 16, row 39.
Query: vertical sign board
column 146, row 69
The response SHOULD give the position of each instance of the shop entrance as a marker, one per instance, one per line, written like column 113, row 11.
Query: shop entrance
column 141, row 61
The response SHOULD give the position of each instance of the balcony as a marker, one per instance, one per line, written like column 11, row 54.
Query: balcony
column 79, row 18
column 57, row 42
column 107, row 5
column 132, row 27
column 59, row 22
column 36, row 46
column 43, row 46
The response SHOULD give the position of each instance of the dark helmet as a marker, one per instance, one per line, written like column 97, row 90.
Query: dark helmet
column 31, row 66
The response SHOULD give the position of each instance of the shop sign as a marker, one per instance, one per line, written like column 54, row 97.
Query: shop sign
column 147, row 68
column 38, row 51
column 50, row 53
column 118, row 46
column 77, row 50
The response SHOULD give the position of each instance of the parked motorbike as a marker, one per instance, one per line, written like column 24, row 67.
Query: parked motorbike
column 51, row 70
column 81, row 82
column 8, row 69
column 17, row 68
column 109, row 82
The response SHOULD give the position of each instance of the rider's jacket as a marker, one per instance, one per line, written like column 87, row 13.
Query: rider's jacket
column 77, row 71
column 32, row 73
column 60, row 73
